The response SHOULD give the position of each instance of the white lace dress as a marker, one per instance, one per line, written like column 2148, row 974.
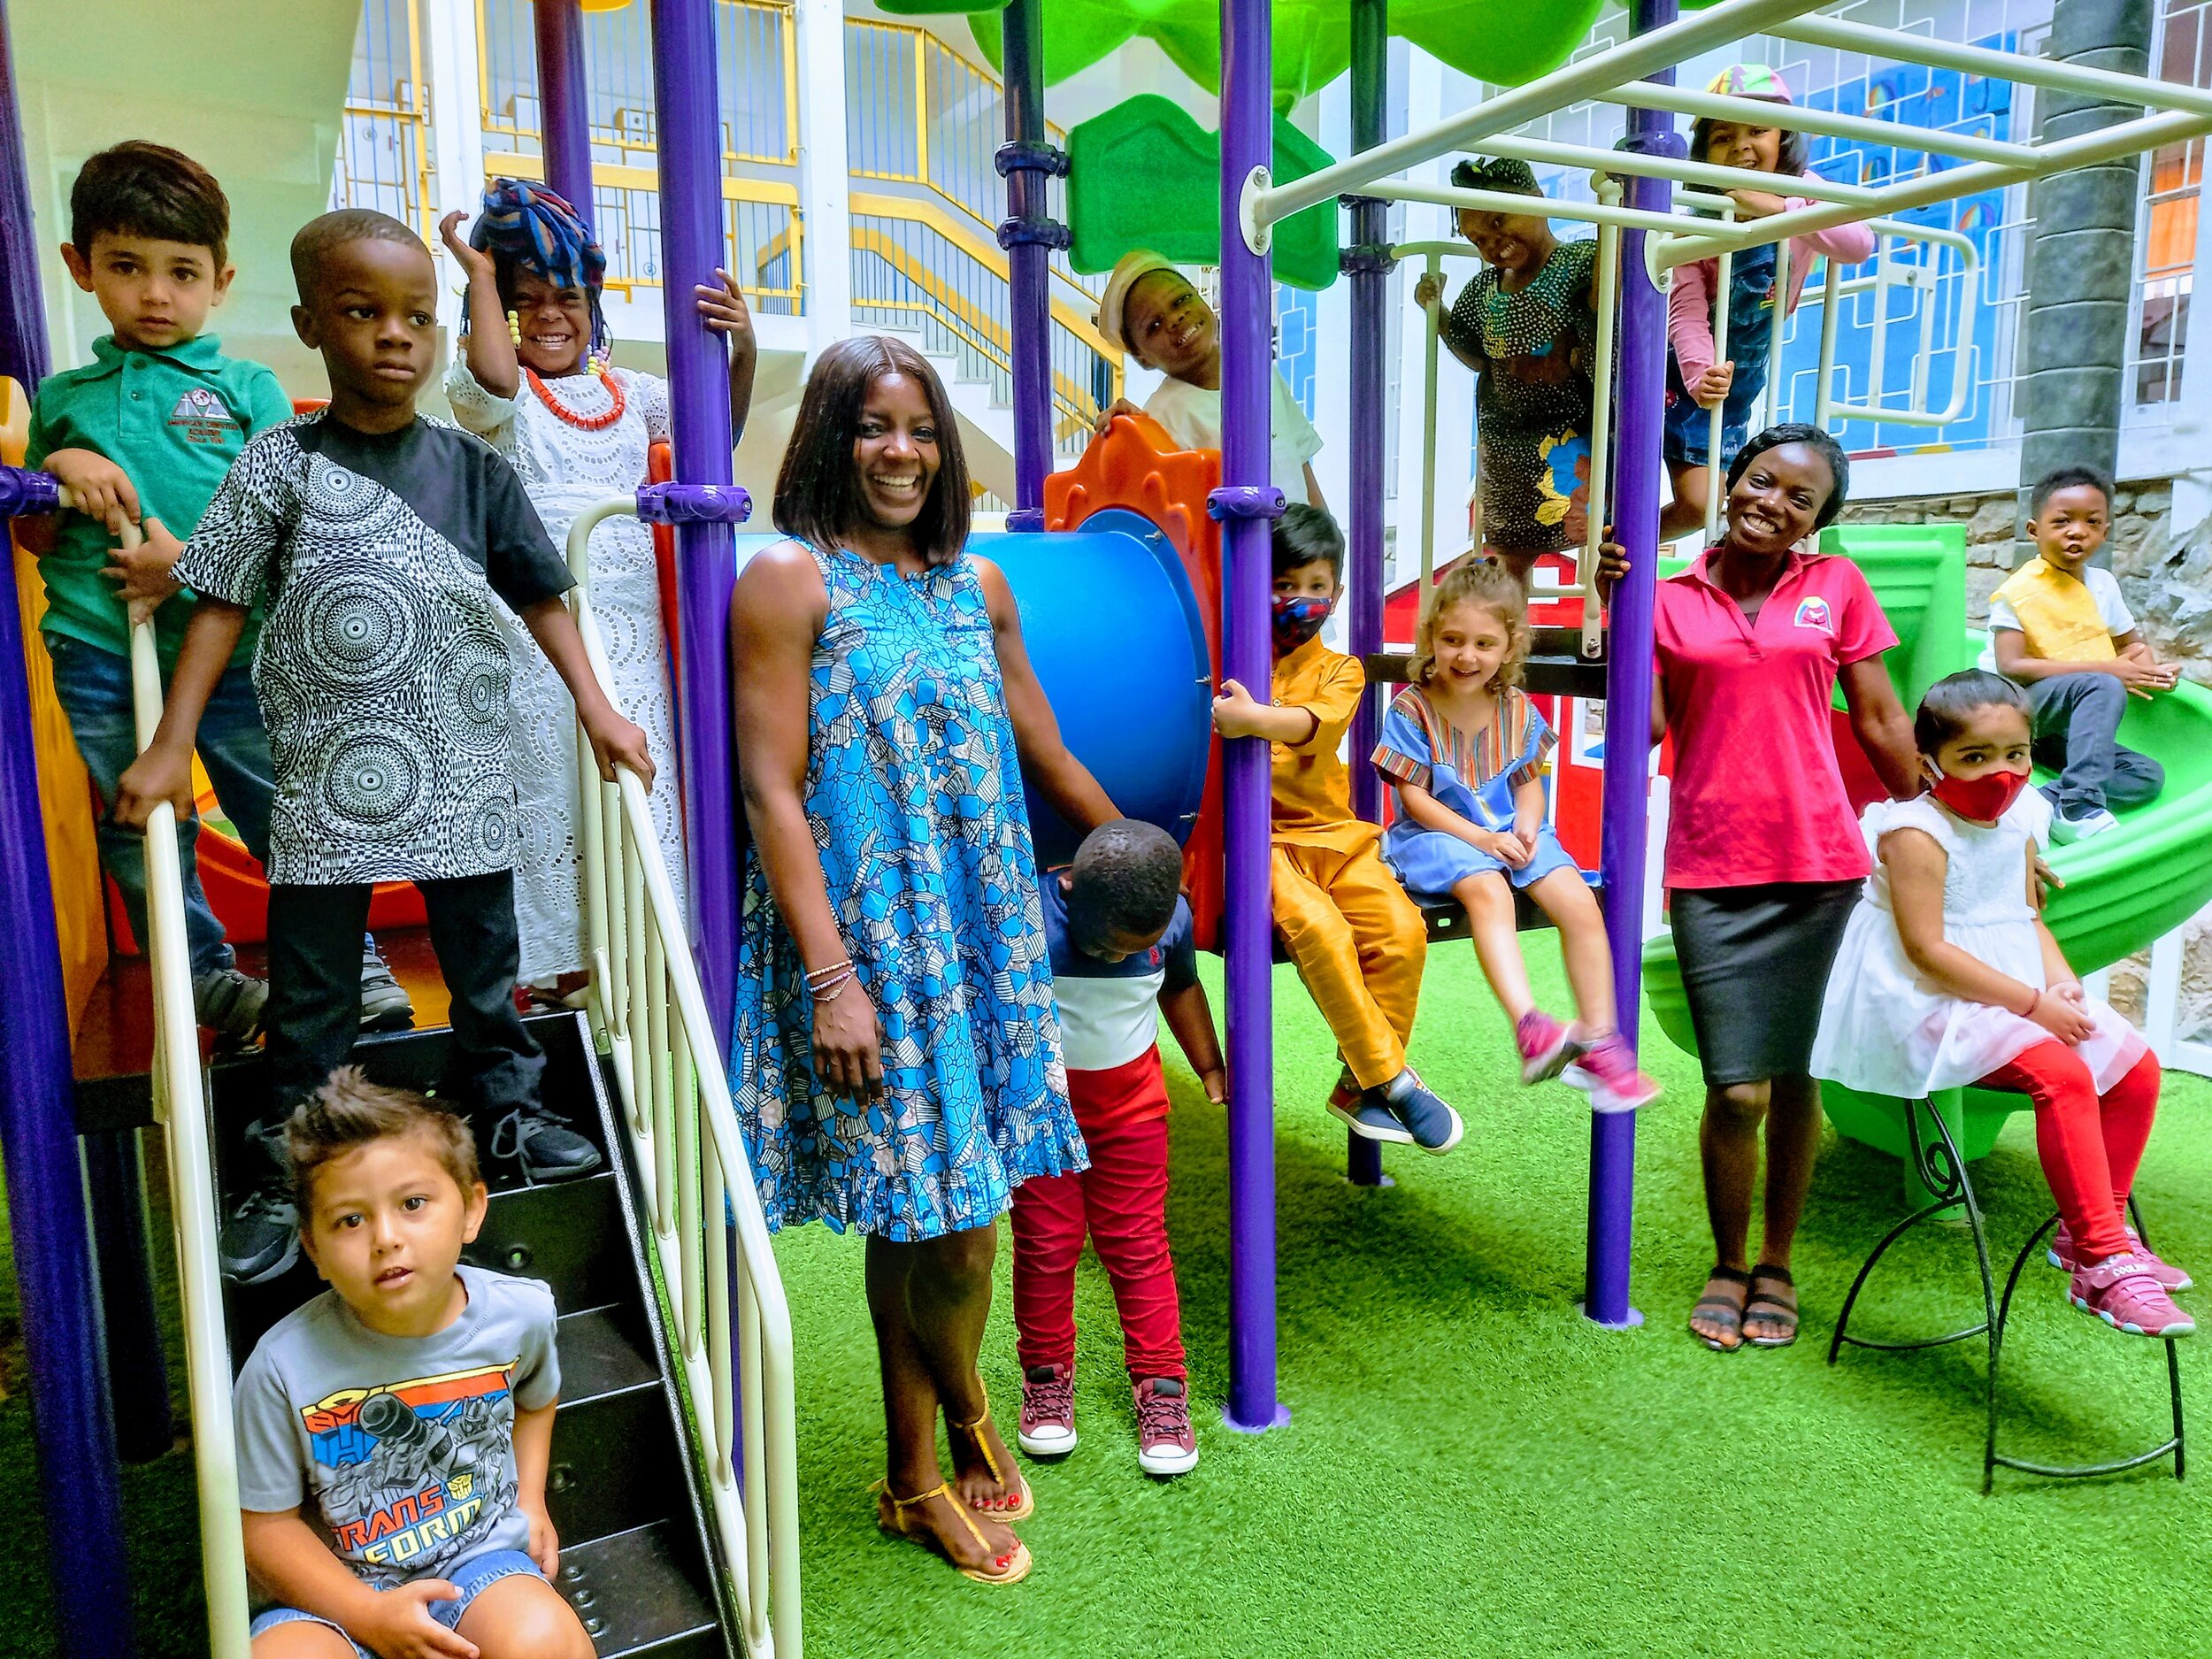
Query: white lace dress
column 1887, row 1030
column 566, row 469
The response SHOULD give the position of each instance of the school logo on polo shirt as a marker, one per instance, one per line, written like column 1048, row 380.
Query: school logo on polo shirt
column 200, row 418
column 1814, row 613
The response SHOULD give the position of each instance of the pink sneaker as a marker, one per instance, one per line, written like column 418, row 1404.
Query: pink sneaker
column 1607, row 1068
column 2121, row 1292
column 2060, row 1256
column 1047, row 1427
column 1165, row 1445
column 1544, row 1044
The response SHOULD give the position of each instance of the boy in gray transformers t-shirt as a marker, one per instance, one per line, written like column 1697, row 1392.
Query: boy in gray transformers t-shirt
column 393, row 1433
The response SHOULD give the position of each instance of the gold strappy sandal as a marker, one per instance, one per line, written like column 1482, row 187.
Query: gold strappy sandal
column 891, row 1516
column 1022, row 1511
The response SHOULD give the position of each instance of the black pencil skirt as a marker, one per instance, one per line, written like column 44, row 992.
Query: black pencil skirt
column 1754, row 965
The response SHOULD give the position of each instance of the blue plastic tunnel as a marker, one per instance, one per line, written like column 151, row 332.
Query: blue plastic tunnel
column 1112, row 629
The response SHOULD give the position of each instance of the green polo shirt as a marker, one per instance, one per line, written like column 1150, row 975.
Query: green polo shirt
column 174, row 420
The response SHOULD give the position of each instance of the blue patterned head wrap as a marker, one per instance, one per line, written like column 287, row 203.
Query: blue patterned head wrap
column 527, row 225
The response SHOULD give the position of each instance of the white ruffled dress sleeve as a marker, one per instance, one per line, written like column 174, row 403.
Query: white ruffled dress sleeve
column 487, row 414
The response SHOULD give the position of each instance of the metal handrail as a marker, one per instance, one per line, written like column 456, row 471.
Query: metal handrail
column 649, row 1013
column 180, row 1106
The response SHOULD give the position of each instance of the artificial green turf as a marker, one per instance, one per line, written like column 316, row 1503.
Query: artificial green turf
column 1469, row 1467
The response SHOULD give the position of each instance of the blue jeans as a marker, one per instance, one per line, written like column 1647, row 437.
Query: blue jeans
column 94, row 690
column 472, row 1578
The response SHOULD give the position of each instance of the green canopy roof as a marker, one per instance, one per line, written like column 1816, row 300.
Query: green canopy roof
column 1503, row 44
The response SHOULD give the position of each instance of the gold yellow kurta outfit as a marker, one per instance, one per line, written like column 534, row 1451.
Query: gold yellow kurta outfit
column 1359, row 943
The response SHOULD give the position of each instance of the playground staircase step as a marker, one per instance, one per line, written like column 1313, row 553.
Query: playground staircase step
column 638, row 1562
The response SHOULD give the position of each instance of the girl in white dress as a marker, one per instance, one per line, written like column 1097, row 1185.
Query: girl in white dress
column 1947, row 977
column 535, row 384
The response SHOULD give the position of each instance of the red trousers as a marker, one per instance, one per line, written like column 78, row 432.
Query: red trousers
column 1121, row 1199
column 2089, row 1147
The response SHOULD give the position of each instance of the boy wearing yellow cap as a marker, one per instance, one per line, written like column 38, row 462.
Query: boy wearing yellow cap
column 1151, row 311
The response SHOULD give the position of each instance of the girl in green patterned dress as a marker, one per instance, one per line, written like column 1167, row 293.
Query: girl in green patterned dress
column 1526, row 326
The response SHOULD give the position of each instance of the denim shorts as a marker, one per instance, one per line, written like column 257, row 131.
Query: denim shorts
column 472, row 1578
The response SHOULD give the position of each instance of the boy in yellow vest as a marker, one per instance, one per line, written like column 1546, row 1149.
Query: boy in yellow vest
column 2059, row 627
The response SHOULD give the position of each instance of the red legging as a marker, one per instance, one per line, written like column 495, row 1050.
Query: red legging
column 1122, row 1199
column 2089, row 1147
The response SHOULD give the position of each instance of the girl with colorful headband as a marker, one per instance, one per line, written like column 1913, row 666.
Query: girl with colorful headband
column 535, row 381
column 1696, row 384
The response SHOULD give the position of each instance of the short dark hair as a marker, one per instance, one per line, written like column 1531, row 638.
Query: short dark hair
column 1305, row 534
column 135, row 188
column 1812, row 437
column 1125, row 882
column 816, row 498
column 322, row 236
column 2060, row 478
column 1952, row 701
column 1791, row 157
column 350, row 1111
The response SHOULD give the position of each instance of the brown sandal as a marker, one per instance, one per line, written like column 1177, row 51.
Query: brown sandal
column 891, row 1516
column 1727, row 1311
column 1026, row 1506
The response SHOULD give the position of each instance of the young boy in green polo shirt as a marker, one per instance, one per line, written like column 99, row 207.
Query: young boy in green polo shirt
column 147, row 431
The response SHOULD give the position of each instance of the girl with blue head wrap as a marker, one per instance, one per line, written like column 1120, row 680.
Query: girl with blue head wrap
column 533, row 379
column 543, row 260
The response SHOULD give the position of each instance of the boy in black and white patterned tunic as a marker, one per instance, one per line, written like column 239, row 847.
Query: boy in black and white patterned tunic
column 380, row 539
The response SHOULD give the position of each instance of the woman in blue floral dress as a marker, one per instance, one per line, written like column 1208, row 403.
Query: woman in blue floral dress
column 895, row 1058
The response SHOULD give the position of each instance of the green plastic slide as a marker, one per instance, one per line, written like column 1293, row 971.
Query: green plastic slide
column 1143, row 174
column 1502, row 44
column 2123, row 889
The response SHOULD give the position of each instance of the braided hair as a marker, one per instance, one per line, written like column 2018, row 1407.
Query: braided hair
column 1507, row 173
column 526, row 226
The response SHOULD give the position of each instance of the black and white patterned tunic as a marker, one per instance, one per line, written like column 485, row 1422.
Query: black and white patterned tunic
column 382, row 673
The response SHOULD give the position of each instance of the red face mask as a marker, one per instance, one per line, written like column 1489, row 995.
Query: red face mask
column 1985, row 799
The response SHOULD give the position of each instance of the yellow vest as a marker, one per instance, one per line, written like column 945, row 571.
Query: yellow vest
column 2058, row 615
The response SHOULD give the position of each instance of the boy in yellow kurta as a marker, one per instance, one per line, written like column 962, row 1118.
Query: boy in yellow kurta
column 1357, row 941
column 2059, row 627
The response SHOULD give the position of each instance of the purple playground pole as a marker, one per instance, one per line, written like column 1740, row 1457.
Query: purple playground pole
column 1247, row 503
column 1029, row 236
column 1643, row 368
column 1368, row 264
column 564, row 103
column 78, row 1483
column 692, row 247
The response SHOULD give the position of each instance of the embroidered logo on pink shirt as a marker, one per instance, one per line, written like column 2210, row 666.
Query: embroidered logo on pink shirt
column 1814, row 613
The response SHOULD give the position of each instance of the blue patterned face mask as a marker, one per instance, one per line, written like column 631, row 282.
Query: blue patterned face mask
column 1298, row 618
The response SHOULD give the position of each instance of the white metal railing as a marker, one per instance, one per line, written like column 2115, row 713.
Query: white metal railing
column 648, row 1010
column 179, row 1102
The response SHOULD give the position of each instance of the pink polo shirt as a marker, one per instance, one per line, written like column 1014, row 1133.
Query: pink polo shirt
column 1757, row 795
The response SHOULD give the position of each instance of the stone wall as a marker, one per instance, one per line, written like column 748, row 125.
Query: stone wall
column 2167, row 579
column 2167, row 583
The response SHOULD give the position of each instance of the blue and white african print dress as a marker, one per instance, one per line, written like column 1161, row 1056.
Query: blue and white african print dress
column 914, row 793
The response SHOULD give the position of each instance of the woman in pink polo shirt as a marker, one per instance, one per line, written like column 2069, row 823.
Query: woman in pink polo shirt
column 1765, row 859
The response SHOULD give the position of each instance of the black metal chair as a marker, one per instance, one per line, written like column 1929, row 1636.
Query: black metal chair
column 1943, row 1175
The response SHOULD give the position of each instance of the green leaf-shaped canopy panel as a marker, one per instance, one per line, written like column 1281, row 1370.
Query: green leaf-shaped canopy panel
column 1505, row 41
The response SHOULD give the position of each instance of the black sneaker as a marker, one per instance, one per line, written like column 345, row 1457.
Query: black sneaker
column 543, row 1144
column 385, row 1004
column 260, row 1239
column 230, row 1004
